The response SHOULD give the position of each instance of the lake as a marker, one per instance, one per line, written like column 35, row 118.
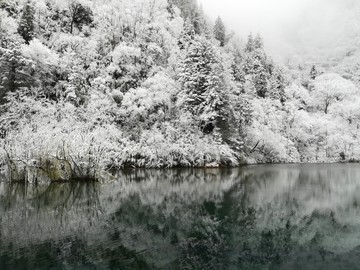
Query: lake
column 256, row 217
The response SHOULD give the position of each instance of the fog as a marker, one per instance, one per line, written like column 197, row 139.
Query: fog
column 291, row 26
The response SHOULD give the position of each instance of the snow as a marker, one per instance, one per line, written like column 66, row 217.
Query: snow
column 144, row 86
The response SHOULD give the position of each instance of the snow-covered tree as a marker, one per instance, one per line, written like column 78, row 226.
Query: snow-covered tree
column 277, row 84
column 249, row 47
column 8, row 30
column 26, row 26
column 313, row 73
column 243, row 112
column 203, row 84
column 219, row 31
column 16, row 71
column 260, row 77
column 330, row 89
column 267, row 78
column 258, row 42
column 255, row 65
column 45, row 62
column 187, row 34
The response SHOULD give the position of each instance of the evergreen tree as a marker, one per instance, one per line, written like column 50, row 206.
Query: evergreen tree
column 187, row 35
column 203, row 24
column 219, row 31
column 258, row 42
column 203, row 83
column 244, row 112
column 236, row 70
column 16, row 71
column 249, row 47
column 238, row 75
column 254, row 60
column 26, row 25
column 257, row 64
column 313, row 73
column 260, row 79
column 197, row 22
column 277, row 84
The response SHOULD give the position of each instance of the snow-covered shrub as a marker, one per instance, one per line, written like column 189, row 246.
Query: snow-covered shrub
column 177, row 146
column 38, row 129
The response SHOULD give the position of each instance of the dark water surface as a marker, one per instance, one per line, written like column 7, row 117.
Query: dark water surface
column 260, row 217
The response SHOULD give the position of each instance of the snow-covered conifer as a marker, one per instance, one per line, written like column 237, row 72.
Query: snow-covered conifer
column 26, row 25
column 219, row 31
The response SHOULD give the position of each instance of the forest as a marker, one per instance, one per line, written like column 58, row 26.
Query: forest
column 89, row 86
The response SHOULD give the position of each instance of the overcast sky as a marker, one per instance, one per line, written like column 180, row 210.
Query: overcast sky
column 287, row 25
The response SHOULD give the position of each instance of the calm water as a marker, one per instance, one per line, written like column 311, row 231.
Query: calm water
column 261, row 217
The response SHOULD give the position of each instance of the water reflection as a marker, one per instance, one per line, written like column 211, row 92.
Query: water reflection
column 260, row 217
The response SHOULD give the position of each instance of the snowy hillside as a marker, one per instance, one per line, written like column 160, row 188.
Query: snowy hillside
column 93, row 85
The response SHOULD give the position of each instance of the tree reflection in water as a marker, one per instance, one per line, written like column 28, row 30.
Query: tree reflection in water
column 260, row 217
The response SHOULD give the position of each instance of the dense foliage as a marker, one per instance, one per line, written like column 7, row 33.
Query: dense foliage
column 107, row 84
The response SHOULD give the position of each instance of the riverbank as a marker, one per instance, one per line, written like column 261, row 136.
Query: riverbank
column 49, row 169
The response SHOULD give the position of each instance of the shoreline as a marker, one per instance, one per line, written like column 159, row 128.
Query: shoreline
column 35, row 175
